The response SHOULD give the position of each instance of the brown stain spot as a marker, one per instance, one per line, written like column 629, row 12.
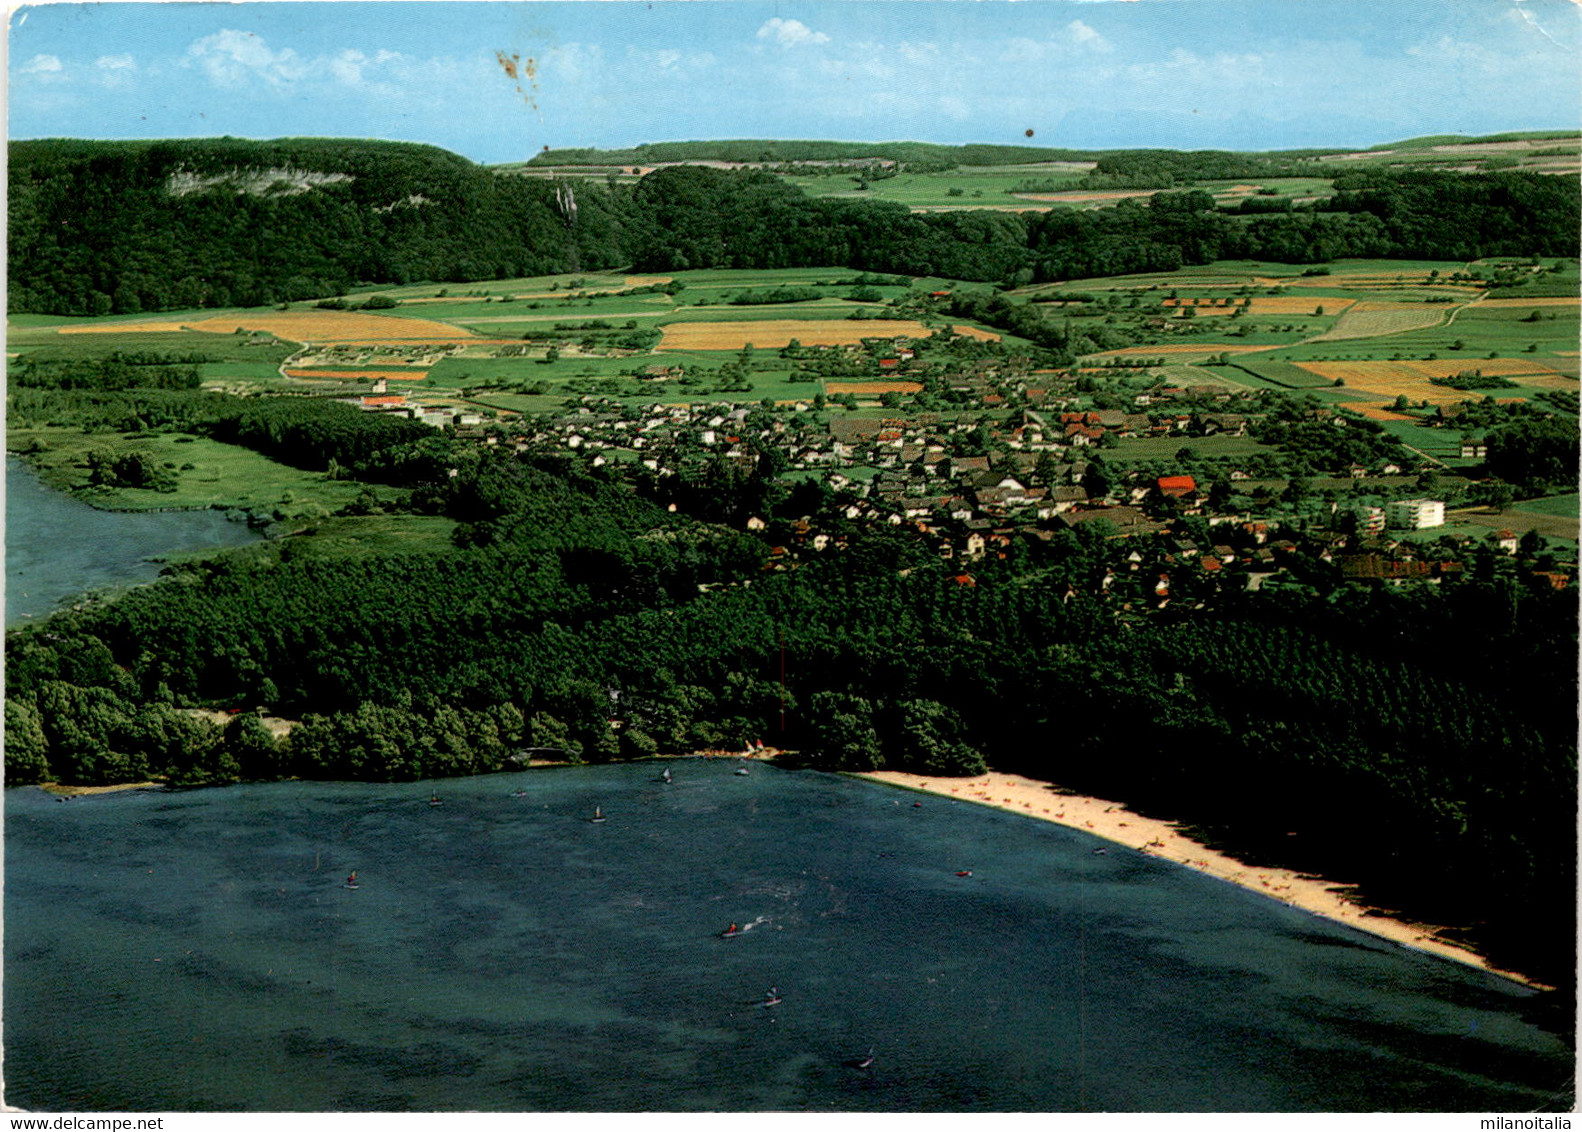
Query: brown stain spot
column 517, row 69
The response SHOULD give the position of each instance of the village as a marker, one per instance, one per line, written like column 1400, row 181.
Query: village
column 985, row 458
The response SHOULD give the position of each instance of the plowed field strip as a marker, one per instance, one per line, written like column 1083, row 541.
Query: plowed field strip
column 357, row 374
column 874, row 386
column 774, row 333
column 1173, row 349
column 1376, row 411
column 1425, row 369
column 299, row 326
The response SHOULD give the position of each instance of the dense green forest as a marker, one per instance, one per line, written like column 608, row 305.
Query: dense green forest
column 122, row 227
column 780, row 151
column 101, row 227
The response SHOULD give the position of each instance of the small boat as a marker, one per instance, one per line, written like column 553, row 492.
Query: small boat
column 598, row 815
column 731, row 932
column 666, row 776
column 964, row 873
column 434, row 801
column 351, row 882
column 519, row 793
column 772, row 998
column 864, row 1062
column 741, row 770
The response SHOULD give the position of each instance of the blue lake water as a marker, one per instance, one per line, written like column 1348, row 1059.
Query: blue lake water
column 199, row 951
column 57, row 547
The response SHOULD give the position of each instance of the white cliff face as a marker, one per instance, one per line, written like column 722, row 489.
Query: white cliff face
column 253, row 182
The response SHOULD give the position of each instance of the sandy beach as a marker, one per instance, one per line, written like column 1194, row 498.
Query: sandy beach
column 1114, row 822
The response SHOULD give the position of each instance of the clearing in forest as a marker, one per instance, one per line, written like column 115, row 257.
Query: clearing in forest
column 771, row 334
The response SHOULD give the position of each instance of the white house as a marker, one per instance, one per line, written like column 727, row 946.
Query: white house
column 1415, row 514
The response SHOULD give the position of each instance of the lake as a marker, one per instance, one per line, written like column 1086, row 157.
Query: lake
column 173, row 951
column 57, row 547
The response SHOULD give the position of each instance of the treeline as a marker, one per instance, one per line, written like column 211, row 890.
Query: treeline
column 102, row 227
column 311, row 433
column 122, row 227
column 779, row 152
column 1167, row 168
column 118, row 370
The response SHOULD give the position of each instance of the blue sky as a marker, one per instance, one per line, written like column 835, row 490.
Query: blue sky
column 1232, row 74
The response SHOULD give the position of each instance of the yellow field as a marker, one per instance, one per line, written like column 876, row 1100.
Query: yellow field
column 355, row 374
column 774, row 333
column 1441, row 367
column 299, row 326
column 1377, row 411
column 873, row 386
column 1374, row 380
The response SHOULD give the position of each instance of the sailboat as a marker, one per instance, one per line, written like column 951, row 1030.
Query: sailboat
column 351, row 881
column 598, row 814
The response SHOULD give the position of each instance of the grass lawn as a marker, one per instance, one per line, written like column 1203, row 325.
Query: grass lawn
column 222, row 475
column 47, row 345
column 1279, row 373
column 1166, row 447
column 1561, row 505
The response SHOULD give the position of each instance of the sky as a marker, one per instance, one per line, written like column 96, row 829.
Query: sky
column 499, row 81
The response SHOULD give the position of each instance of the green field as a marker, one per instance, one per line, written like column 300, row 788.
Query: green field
column 220, row 475
column 1166, row 447
column 1562, row 506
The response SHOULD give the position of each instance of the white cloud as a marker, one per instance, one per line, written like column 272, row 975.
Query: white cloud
column 918, row 53
column 40, row 65
column 1084, row 35
column 348, row 67
column 669, row 61
column 790, row 33
column 231, row 57
column 115, row 63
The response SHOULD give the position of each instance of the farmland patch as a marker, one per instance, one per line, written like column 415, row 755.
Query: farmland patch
column 873, row 386
column 1372, row 319
column 409, row 374
column 297, row 326
column 1267, row 304
column 774, row 333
